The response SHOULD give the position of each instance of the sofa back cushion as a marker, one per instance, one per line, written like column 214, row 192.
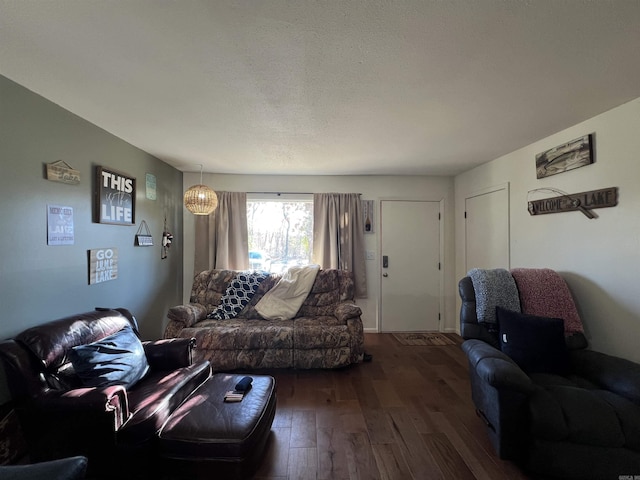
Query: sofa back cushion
column 330, row 287
column 52, row 341
column 324, row 295
column 209, row 287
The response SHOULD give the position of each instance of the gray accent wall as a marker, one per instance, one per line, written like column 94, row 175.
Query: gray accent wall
column 40, row 283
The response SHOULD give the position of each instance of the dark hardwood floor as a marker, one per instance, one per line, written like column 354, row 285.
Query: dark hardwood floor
column 406, row 415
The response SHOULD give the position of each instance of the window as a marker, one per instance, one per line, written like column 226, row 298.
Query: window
column 280, row 230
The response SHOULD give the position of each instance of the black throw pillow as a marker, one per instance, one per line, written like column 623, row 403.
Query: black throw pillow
column 536, row 344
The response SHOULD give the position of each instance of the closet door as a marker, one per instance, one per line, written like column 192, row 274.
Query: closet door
column 487, row 229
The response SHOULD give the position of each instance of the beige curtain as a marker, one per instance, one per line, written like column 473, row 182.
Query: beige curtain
column 338, row 235
column 222, row 240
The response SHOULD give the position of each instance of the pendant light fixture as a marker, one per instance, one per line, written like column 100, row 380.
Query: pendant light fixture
column 200, row 199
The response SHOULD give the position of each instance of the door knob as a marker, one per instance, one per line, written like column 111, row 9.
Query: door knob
column 385, row 274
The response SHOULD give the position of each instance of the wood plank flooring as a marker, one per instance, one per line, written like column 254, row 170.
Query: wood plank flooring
column 407, row 414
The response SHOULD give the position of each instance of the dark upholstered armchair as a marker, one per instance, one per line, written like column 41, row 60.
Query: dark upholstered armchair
column 577, row 417
column 64, row 412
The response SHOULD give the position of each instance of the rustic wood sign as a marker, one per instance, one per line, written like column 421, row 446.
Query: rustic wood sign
column 584, row 201
column 61, row 171
column 103, row 265
column 574, row 154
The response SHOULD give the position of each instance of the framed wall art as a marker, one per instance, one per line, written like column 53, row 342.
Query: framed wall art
column 60, row 225
column 574, row 154
column 115, row 197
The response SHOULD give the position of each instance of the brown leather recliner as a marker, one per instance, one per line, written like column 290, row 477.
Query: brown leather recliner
column 60, row 417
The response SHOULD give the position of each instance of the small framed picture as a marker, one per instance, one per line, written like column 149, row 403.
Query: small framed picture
column 115, row 197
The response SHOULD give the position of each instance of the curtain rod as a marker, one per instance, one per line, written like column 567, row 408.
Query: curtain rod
column 289, row 193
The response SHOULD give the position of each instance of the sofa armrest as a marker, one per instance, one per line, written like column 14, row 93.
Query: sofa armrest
column 58, row 423
column 496, row 368
column 611, row 373
column 85, row 403
column 170, row 353
column 346, row 310
column 187, row 314
column 356, row 333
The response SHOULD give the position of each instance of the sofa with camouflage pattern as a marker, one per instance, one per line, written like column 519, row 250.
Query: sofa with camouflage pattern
column 326, row 331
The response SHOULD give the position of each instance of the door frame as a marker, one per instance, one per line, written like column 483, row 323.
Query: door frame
column 441, row 255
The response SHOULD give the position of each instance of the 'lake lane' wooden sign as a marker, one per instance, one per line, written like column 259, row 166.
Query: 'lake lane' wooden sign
column 606, row 197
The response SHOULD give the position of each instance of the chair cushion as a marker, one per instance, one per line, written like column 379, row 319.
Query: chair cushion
column 118, row 359
column 51, row 341
column 535, row 343
column 567, row 413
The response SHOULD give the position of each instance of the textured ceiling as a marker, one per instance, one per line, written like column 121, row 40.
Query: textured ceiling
column 326, row 87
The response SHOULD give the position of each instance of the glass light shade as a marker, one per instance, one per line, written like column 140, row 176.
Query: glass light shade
column 200, row 200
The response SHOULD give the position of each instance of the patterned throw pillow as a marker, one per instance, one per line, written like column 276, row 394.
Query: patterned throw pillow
column 238, row 294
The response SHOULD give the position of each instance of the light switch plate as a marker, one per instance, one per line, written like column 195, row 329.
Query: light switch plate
column 371, row 255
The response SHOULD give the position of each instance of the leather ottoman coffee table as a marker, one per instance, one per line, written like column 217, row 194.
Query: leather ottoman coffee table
column 207, row 437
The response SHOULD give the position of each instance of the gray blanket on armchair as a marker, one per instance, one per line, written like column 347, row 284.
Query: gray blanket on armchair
column 494, row 288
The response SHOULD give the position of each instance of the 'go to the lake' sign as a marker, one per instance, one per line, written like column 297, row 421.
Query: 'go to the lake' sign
column 116, row 194
column 103, row 265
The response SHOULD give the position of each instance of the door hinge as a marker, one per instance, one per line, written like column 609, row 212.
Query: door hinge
column 439, row 218
column 438, row 316
column 465, row 214
column 438, row 265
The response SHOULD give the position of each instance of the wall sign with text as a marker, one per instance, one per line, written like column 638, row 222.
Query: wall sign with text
column 115, row 197
column 103, row 265
column 60, row 225
column 569, row 202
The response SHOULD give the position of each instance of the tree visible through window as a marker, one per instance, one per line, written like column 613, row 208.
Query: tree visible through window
column 280, row 233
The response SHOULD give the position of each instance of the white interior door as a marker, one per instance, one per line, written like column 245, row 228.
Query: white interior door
column 410, row 283
column 487, row 229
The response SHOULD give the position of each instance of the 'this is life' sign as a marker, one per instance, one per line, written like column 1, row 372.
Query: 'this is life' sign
column 116, row 194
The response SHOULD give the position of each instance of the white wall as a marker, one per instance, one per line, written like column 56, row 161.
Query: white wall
column 372, row 188
column 599, row 258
